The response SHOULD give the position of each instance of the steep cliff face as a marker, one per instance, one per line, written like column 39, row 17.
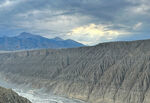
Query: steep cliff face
column 8, row 96
column 116, row 72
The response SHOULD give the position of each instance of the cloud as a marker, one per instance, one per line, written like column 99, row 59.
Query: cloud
column 8, row 3
column 94, row 33
column 54, row 24
column 105, row 20
column 137, row 26
column 5, row 4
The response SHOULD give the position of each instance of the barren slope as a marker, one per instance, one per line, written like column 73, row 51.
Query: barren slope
column 8, row 96
column 116, row 72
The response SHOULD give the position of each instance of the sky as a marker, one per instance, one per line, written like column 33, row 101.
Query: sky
column 86, row 21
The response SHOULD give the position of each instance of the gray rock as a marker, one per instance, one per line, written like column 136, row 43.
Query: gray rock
column 9, row 96
column 116, row 72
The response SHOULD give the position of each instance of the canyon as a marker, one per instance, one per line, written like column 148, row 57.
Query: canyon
column 114, row 72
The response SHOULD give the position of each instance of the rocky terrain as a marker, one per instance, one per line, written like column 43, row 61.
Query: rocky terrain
column 9, row 96
column 115, row 72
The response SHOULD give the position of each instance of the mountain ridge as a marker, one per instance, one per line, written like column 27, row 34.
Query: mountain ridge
column 115, row 72
column 26, row 41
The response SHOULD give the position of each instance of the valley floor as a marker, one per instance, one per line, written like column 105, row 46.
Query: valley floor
column 36, row 96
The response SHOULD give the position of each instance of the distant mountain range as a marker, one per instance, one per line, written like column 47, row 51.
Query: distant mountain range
column 26, row 41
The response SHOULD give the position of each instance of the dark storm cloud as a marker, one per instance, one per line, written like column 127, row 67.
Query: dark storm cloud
column 101, row 9
column 59, row 17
